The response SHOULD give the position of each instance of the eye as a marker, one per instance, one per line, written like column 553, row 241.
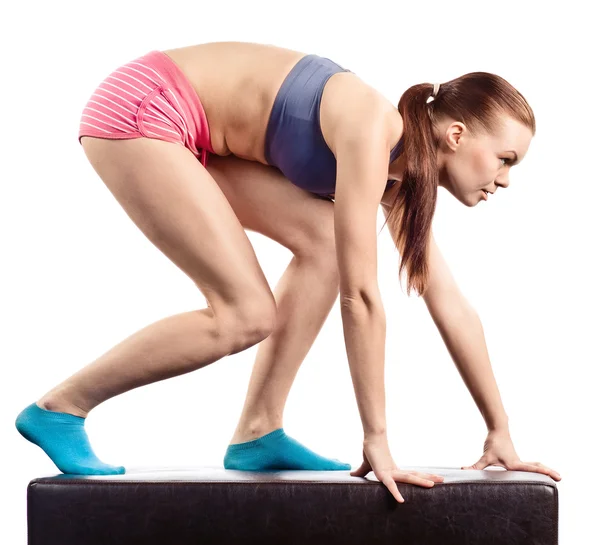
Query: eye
column 508, row 161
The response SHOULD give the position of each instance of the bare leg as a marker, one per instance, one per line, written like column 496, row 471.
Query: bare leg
column 267, row 203
column 176, row 203
column 167, row 348
column 305, row 295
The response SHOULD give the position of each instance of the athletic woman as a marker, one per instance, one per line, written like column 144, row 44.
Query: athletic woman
column 199, row 144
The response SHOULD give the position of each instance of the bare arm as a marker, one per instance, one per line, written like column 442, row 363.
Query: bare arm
column 462, row 332
column 362, row 167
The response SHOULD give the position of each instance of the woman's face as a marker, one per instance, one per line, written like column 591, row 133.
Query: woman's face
column 468, row 164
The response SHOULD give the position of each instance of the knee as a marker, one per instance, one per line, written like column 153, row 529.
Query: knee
column 247, row 324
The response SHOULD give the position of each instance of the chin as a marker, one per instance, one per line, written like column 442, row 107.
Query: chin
column 470, row 203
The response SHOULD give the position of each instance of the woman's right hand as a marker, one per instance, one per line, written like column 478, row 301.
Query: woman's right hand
column 378, row 458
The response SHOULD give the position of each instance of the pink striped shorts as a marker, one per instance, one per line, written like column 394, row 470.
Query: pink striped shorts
column 148, row 97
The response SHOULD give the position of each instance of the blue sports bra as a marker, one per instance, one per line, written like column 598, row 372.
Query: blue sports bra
column 294, row 142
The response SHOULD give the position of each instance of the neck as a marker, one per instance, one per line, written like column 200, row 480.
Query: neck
column 396, row 172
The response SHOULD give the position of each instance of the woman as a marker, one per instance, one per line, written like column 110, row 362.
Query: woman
column 199, row 143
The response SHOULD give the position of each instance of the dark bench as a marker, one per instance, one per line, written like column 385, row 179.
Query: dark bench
column 216, row 506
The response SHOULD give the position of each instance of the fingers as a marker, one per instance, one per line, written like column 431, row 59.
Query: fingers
column 362, row 470
column 389, row 480
column 414, row 478
column 537, row 467
column 430, row 476
column 392, row 487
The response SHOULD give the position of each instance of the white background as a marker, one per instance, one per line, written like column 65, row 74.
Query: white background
column 78, row 276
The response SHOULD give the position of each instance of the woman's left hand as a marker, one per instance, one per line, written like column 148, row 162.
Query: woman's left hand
column 498, row 450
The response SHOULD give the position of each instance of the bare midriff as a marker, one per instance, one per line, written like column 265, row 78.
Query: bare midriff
column 237, row 84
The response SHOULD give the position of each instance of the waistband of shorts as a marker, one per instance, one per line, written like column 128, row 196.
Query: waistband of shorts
column 177, row 80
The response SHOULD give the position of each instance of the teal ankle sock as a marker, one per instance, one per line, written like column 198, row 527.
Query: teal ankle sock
column 62, row 437
column 276, row 450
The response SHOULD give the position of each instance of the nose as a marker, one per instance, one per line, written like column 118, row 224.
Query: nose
column 503, row 183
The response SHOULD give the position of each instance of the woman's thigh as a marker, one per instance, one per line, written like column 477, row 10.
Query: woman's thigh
column 265, row 201
column 179, row 206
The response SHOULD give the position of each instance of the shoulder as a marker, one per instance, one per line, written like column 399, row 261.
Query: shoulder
column 350, row 107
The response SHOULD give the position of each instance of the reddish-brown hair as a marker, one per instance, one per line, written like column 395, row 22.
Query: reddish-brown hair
column 479, row 100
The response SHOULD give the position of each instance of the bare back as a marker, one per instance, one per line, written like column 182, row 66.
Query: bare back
column 237, row 83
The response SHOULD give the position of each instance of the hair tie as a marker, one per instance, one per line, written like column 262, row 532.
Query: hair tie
column 431, row 97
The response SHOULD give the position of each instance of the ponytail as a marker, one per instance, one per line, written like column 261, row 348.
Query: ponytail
column 477, row 99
